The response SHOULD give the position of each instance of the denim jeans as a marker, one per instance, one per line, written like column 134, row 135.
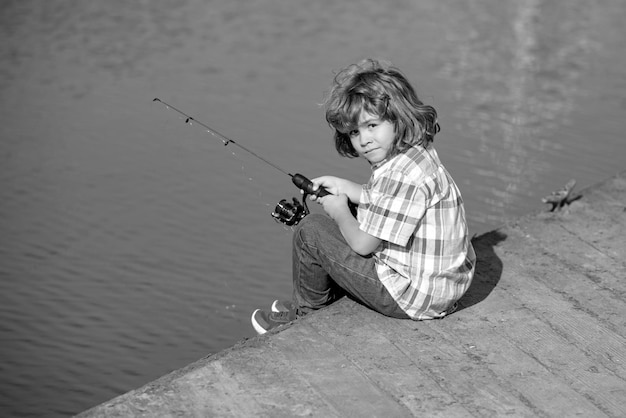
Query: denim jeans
column 325, row 268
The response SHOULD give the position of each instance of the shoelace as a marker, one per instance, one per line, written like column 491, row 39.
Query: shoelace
column 283, row 316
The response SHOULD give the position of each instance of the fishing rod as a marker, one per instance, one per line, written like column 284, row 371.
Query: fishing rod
column 289, row 213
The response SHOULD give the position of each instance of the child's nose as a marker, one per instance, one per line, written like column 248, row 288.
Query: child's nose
column 365, row 137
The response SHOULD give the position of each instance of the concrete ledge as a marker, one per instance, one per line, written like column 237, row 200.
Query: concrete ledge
column 540, row 333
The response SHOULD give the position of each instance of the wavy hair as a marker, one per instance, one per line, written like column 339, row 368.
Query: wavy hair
column 381, row 90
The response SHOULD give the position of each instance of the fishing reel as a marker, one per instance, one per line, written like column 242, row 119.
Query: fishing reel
column 290, row 213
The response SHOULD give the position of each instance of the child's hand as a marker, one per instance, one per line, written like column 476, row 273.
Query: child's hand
column 330, row 183
column 335, row 205
column 337, row 186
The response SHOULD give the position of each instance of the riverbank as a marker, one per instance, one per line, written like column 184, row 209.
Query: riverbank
column 540, row 333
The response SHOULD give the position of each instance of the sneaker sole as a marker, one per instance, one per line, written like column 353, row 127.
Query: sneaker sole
column 258, row 328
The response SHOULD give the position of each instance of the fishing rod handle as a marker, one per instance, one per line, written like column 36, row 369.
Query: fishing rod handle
column 305, row 184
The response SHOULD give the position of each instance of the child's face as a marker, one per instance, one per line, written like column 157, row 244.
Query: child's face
column 373, row 139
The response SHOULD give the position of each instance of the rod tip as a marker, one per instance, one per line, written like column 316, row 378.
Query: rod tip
column 156, row 99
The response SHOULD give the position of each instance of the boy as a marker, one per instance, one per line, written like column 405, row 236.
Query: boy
column 407, row 254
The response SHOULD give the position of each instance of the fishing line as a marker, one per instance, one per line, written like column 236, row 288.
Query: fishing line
column 189, row 119
column 289, row 213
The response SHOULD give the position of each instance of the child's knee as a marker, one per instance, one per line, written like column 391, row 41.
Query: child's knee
column 313, row 219
column 308, row 229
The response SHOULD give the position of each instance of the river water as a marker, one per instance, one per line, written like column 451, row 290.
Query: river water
column 132, row 244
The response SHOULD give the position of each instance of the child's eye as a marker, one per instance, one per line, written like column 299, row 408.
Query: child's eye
column 353, row 132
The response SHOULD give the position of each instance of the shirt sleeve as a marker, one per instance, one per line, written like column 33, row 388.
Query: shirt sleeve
column 392, row 207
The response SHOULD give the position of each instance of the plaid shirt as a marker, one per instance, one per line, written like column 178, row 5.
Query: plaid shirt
column 426, row 260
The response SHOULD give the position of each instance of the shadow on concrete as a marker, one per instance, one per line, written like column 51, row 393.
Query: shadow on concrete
column 488, row 269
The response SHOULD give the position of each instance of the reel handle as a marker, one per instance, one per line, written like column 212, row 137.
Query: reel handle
column 305, row 184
